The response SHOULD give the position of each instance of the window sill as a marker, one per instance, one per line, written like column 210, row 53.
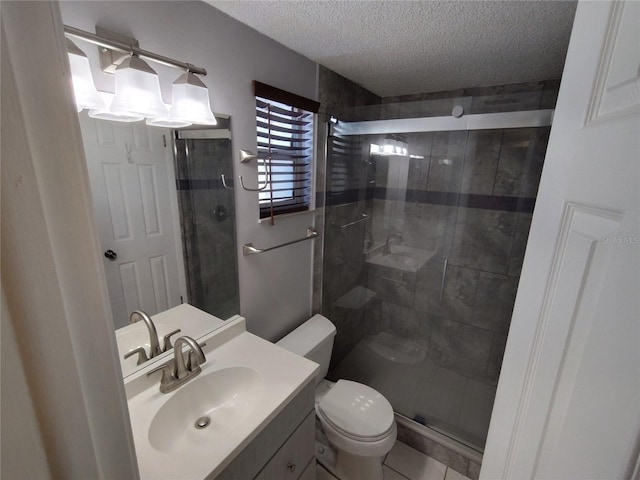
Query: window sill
column 287, row 215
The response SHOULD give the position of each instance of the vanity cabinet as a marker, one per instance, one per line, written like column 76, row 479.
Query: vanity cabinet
column 284, row 449
column 294, row 456
column 309, row 472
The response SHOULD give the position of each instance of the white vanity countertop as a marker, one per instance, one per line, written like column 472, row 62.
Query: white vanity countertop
column 188, row 453
column 190, row 320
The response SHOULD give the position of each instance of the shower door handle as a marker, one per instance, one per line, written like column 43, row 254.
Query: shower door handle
column 444, row 277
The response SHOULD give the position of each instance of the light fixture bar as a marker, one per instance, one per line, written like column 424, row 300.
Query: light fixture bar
column 125, row 48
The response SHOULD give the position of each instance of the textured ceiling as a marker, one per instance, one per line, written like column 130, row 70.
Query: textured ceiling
column 404, row 47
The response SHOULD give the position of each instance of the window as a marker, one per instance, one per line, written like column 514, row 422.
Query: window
column 285, row 125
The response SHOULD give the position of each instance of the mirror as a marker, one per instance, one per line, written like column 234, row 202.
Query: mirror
column 207, row 211
column 165, row 219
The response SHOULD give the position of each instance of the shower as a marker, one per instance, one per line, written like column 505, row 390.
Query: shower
column 426, row 221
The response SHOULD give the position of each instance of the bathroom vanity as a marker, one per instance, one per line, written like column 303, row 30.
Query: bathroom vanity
column 284, row 449
column 248, row 414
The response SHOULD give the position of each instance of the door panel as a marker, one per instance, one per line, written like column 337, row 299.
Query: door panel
column 161, row 289
column 116, row 202
column 617, row 89
column 146, row 175
column 135, row 203
column 568, row 400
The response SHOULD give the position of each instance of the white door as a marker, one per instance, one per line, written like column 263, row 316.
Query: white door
column 568, row 400
column 133, row 186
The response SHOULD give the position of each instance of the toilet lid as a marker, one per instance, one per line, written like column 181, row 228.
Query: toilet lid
column 357, row 410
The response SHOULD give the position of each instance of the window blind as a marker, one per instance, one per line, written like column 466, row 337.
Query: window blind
column 285, row 125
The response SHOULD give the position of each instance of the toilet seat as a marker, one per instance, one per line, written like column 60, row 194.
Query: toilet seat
column 328, row 423
column 356, row 411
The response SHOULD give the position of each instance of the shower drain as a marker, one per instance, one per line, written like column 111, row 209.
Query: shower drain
column 202, row 422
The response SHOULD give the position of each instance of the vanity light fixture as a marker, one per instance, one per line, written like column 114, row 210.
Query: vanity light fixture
column 137, row 90
column 191, row 101
column 84, row 89
column 137, row 86
column 105, row 113
column 167, row 122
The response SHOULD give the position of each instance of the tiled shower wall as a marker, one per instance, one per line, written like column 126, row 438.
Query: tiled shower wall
column 346, row 233
column 468, row 200
column 207, row 217
column 479, row 222
column 340, row 97
column 487, row 164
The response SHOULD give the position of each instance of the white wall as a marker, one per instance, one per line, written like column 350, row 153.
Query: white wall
column 22, row 445
column 275, row 288
column 59, row 343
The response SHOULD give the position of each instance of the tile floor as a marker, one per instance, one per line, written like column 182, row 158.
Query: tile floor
column 406, row 463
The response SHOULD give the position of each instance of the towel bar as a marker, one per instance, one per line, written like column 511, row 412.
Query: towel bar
column 249, row 249
column 364, row 217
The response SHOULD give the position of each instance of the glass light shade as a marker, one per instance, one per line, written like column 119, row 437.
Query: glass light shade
column 105, row 113
column 190, row 99
column 84, row 90
column 166, row 122
column 137, row 90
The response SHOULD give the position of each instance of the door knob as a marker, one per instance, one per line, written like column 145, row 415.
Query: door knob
column 111, row 255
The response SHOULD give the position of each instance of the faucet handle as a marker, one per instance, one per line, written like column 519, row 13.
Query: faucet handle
column 166, row 340
column 168, row 371
column 193, row 362
column 142, row 355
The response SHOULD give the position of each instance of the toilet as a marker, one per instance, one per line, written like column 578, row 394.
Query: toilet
column 357, row 420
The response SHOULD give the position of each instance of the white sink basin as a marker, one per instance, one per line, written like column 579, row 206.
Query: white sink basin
column 223, row 397
column 245, row 382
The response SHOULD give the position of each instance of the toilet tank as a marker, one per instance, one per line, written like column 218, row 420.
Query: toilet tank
column 312, row 340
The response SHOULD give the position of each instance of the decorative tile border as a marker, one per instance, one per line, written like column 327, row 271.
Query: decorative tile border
column 469, row 200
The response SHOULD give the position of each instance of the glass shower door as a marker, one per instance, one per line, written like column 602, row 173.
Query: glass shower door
column 414, row 211
column 438, row 255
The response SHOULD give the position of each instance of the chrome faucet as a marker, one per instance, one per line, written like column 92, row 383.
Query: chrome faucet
column 154, row 349
column 195, row 355
column 387, row 246
column 177, row 372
